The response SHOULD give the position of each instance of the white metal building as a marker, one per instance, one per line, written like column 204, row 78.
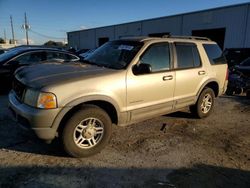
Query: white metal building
column 228, row 26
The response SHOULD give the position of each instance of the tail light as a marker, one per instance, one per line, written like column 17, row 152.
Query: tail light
column 227, row 74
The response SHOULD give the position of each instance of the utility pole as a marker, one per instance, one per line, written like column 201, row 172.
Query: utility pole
column 12, row 29
column 26, row 27
column 5, row 40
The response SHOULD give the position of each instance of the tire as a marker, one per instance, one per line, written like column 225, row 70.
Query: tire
column 87, row 132
column 205, row 103
column 230, row 91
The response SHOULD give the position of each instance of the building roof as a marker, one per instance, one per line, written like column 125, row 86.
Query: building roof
column 183, row 14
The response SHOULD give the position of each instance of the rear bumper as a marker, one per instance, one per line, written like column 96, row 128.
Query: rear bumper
column 39, row 120
column 224, row 89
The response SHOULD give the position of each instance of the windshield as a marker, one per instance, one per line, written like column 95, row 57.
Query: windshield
column 115, row 54
column 9, row 54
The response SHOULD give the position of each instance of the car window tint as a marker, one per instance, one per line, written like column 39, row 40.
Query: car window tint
column 56, row 56
column 187, row 55
column 31, row 58
column 214, row 54
column 157, row 56
column 246, row 62
column 52, row 55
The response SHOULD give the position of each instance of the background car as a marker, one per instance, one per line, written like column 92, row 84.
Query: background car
column 87, row 53
column 239, row 78
column 235, row 56
column 2, row 50
column 244, row 67
column 78, row 52
column 24, row 56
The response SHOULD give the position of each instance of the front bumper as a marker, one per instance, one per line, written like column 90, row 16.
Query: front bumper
column 39, row 120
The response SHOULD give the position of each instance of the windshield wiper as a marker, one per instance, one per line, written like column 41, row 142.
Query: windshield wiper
column 97, row 64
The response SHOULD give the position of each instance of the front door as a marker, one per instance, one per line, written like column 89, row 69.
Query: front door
column 152, row 93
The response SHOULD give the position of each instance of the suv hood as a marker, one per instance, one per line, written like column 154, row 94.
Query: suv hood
column 38, row 76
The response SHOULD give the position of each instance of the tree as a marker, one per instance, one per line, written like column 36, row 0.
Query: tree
column 2, row 41
column 53, row 43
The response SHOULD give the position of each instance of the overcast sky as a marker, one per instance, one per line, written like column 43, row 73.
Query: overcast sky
column 51, row 19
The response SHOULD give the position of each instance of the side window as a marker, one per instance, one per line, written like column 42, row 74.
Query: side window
column 52, row 55
column 31, row 58
column 157, row 56
column 214, row 54
column 187, row 55
column 62, row 56
column 57, row 56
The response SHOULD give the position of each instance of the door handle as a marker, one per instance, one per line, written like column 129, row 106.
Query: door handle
column 201, row 72
column 169, row 77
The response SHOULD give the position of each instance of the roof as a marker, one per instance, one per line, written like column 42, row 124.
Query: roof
column 167, row 38
column 169, row 16
column 31, row 48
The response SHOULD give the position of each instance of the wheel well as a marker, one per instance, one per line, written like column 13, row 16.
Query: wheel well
column 214, row 86
column 106, row 106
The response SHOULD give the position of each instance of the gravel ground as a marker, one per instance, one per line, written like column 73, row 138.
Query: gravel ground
column 175, row 150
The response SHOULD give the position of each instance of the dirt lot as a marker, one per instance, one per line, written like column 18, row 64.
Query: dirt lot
column 213, row 152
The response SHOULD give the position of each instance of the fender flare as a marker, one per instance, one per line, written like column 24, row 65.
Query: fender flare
column 69, row 106
column 204, row 85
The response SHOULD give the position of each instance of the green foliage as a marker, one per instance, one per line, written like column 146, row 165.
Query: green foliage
column 53, row 43
column 2, row 41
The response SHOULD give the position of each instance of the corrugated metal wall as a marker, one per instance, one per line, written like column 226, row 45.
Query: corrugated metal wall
column 161, row 25
column 104, row 32
column 128, row 30
column 236, row 20
column 247, row 32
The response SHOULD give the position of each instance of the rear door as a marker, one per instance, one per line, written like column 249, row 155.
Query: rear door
column 190, row 74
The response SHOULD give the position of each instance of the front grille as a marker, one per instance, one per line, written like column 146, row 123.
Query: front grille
column 19, row 89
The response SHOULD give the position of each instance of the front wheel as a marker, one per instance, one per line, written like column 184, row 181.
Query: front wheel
column 87, row 132
column 204, row 104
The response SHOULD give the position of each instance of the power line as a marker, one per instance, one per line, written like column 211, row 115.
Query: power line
column 45, row 36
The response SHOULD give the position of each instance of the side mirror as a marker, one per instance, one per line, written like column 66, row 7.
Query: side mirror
column 142, row 68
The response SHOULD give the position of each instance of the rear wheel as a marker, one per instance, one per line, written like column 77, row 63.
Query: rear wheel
column 87, row 132
column 204, row 104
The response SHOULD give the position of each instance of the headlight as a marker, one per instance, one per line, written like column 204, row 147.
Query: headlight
column 40, row 99
column 30, row 97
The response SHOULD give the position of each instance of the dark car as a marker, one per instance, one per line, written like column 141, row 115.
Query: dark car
column 87, row 53
column 24, row 56
column 78, row 52
column 244, row 67
column 3, row 51
column 235, row 56
column 239, row 78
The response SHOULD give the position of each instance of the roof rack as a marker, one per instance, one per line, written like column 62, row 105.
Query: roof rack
column 186, row 37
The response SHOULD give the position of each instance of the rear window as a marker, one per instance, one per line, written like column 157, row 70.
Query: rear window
column 214, row 54
column 187, row 55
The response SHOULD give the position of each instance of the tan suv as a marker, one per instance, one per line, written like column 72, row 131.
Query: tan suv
column 122, row 82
